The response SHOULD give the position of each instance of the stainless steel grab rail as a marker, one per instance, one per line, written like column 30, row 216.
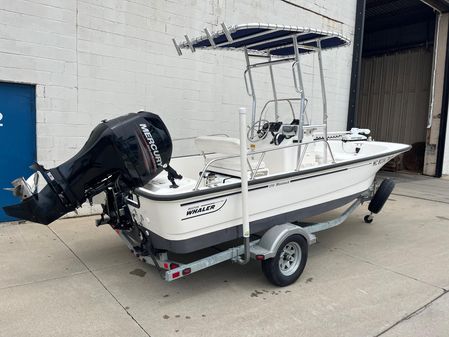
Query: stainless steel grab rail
column 263, row 152
column 288, row 100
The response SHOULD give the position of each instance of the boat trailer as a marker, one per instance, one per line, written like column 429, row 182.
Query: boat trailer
column 263, row 248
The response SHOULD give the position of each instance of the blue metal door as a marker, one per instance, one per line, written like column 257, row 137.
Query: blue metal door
column 17, row 137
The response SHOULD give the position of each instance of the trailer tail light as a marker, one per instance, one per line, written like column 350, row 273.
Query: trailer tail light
column 173, row 266
column 260, row 257
column 186, row 271
column 176, row 275
column 165, row 265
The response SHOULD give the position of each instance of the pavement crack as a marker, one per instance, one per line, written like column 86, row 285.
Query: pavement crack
column 413, row 314
column 420, row 198
column 342, row 251
column 99, row 281
column 44, row 280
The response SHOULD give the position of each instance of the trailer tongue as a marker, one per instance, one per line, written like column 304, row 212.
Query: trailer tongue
column 125, row 152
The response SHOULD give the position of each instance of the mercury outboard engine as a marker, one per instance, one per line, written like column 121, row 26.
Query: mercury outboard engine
column 121, row 154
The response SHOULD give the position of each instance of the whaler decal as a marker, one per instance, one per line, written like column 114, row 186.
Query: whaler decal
column 151, row 144
column 204, row 208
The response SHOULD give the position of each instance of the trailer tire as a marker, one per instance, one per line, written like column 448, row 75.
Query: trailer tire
column 381, row 196
column 368, row 218
column 288, row 263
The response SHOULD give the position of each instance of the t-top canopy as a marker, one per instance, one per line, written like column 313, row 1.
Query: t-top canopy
column 276, row 40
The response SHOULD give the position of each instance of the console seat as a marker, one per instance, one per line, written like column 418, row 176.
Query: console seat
column 220, row 146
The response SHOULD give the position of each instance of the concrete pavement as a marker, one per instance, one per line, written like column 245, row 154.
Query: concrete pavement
column 385, row 279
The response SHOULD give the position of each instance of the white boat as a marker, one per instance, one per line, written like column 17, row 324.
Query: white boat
column 282, row 169
column 295, row 169
column 186, row 219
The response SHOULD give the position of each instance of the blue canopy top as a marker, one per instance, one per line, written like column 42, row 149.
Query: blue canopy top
column 276, row 40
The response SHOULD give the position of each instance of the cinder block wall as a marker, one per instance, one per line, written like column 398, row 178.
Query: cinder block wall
column 94, row 59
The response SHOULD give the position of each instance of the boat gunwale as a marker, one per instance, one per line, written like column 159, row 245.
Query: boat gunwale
column 143, row 192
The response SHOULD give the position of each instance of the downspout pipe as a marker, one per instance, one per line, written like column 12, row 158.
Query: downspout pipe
column 444, row 118
column 356, row 64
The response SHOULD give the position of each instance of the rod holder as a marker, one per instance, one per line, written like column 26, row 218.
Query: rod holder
column 178, row 49
column 244, row 183
column 209, row 37
column 189, row 43
column 227, row 32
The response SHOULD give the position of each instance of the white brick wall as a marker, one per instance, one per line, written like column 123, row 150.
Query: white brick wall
column 96, row 59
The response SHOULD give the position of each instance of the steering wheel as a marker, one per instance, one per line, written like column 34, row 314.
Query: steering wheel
column 259, row 130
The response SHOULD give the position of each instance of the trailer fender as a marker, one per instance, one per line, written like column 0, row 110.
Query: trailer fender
column 270, row 241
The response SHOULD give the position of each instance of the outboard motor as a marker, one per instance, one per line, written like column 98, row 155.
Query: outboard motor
column 123, row 153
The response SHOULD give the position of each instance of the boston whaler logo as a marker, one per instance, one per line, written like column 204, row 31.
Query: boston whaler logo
column 204, row 208
column 151, row 144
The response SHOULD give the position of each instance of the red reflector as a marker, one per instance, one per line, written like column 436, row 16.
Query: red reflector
column 186, row 271
column 260, row 257
column 175, row 275
column 165, row 265
column 173, row 266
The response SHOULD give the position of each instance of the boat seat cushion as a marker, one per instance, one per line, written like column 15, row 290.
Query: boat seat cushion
column 231, row 166
column 220, row 144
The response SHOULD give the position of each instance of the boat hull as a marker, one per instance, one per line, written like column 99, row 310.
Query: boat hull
column 190, row 224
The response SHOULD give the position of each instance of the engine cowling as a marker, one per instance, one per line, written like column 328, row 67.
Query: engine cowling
column 125, row 152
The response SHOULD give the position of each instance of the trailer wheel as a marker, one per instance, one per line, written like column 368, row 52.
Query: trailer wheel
column 288, row 263
column 381, row 196
column 368, row 218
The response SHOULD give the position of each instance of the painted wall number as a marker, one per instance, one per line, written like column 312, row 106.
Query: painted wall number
column 1, row 118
